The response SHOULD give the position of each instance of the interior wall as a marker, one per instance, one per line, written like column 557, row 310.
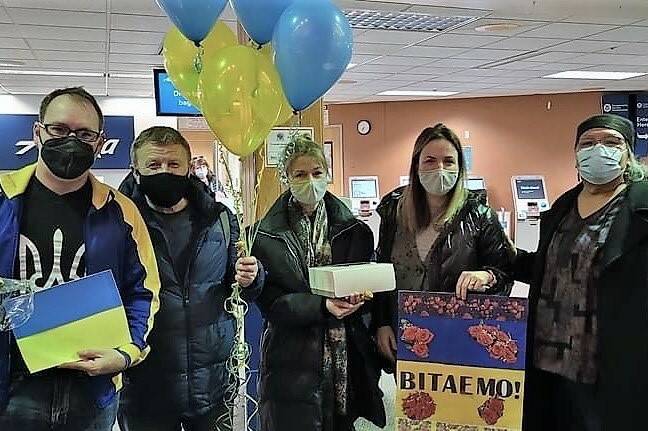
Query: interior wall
column 525, row 135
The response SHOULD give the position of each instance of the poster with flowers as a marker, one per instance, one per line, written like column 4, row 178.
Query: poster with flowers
column 460, row 362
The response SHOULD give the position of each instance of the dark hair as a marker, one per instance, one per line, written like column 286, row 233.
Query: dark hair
column 414, row 207
column 78, row 93
column 160, row 136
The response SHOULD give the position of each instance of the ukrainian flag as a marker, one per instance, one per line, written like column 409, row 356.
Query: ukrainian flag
column 83, row 314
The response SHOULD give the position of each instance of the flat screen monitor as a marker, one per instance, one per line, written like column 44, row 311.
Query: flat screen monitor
column 530, row 189
column 475, row 184
column 168, row 100
column 364, row 189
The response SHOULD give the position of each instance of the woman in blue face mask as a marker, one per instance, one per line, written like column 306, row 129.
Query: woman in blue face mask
column 587, row 353
column 439, row 236
column 318, row 369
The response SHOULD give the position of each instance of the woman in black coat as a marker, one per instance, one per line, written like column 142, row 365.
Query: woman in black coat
column 318, row 369
column 439, row 237
column 588, row 356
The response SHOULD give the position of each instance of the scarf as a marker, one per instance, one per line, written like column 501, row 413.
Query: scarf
column 312, row 236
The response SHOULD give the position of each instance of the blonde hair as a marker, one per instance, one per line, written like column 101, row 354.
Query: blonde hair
column 413, row 207
column 298, row 146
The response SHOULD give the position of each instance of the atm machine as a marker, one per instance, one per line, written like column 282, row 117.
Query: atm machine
column 365, row 194
column 530, row 199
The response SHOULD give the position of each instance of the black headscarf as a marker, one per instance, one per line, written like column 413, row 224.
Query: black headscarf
column 609, row 121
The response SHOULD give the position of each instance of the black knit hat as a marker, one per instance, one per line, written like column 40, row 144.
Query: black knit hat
column 609, row 121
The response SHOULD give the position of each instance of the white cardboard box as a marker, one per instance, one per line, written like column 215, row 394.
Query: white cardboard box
column 339, row 281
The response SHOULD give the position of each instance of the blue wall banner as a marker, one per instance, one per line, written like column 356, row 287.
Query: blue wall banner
column 641, row 124
column 18, row 149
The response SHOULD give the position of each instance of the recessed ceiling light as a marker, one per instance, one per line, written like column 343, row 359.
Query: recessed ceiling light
column 347, row 81
column 432, row 93
column 405, row 21
column 589, row 74
column 498, row 27
column 11, row 63
column 50, row 73
column 351, row 66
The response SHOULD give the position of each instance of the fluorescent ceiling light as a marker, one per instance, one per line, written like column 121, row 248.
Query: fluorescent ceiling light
column 131, row 75
column 49, row 73
column 11, row 63
column 433, row 93
column 351, row 66
column 588, row 74
column 405, row 21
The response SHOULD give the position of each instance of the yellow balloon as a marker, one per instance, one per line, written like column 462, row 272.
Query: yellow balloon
column 287, row 111
column 241, row 97
column 182, row 61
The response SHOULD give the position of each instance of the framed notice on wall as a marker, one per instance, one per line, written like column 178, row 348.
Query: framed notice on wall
column 277, row 141
column 328, row 153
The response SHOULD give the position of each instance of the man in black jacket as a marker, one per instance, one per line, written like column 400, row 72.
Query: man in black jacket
column 185, row 381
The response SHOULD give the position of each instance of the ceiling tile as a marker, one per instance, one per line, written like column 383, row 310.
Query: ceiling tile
column 374, row 48
column 16, row 54
column 6, row 42
column 57, row 45
column 139, row 23
column 451, row 40
column 625, row 34
column 457, row 63
column 597, row 59
column 489, row 54
column 524, row 25
column 61, row 33
column 136, row 58
column 134, row 7
column 398, row 60
column 73, row 5
column 58, row 18
column 553, row 56
column 567, row 30
column 430, row 51
column 4, row 17
column 392, row 36
column 630, row 48
column 94, row 57
column 616, row 68
column 371, row 5
column 525, row 43
column 583, row 46
column 129, row 67
column 131, row 48
column 359, row 59
column 381, row 68
column 150, row 38
column 80, row 66
column 364, row 76
column 9, row 30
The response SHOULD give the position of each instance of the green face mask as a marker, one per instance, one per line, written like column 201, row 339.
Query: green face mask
column 438, row 181
column 309, row 192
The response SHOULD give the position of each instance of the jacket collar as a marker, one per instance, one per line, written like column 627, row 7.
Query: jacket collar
column 15, row 183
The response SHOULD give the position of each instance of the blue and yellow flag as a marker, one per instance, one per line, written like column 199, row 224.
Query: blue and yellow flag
column 80, row 315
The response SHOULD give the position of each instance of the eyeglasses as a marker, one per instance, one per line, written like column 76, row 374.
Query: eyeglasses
column 608, row 142
column 61, row 131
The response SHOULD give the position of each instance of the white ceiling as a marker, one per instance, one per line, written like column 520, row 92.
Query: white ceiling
column 124, row 36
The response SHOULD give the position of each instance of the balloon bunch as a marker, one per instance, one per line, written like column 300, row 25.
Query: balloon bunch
column 245, row 90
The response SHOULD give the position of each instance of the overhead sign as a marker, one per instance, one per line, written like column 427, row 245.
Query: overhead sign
column 168, row 99
column 641, row 125
column 18, row 148
column 617, row 104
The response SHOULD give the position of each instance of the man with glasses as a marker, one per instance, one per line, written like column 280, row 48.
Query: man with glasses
column 58, row 223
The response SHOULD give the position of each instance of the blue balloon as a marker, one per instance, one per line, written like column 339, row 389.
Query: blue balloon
column 194, row 18
column 259, row 18
column 313, row 43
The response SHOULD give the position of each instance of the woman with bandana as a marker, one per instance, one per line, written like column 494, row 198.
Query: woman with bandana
column 439, row 236
column 587, row 354
column 318, row 370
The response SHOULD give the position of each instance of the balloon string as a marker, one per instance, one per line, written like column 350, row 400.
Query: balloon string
column 198, row 59
column 237, row 364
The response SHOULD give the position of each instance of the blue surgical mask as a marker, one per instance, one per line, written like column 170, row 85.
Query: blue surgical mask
column 600, row 164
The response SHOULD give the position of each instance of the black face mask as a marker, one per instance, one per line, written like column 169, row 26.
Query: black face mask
column 164, row 190
column 68, row 157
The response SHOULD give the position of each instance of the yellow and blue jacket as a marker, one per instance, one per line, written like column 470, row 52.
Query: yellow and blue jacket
column 116, row 239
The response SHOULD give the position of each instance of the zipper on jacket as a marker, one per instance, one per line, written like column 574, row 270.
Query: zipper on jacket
column 290, row 250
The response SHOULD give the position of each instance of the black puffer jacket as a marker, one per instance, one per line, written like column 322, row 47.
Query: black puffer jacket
column 473, row 241
column 295, row 322
column 193, row 335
